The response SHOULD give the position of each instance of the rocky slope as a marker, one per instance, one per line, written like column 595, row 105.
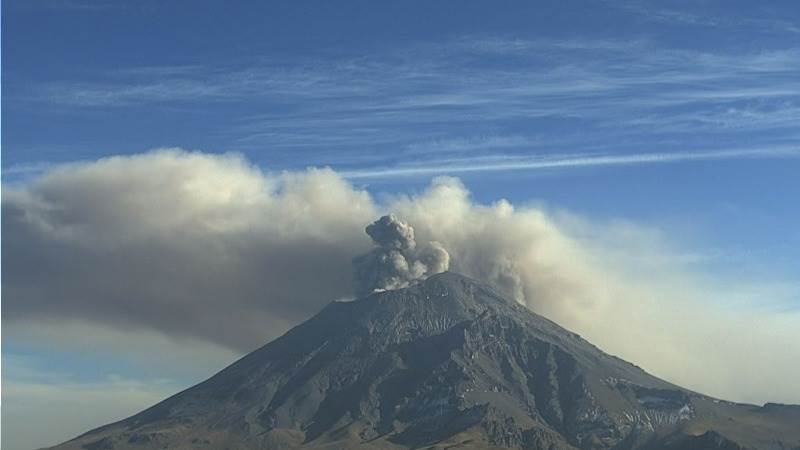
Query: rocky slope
column 447, row 363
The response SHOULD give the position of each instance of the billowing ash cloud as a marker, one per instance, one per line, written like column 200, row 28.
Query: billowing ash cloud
column 206, row 247
column 187, row 244
column 397, row 261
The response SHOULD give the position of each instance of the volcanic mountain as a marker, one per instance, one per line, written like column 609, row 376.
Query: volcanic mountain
column 445, row 363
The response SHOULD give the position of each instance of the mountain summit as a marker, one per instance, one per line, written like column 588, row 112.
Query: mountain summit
column 445, row 363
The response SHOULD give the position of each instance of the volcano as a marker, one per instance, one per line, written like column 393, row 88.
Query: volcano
column 445, row 363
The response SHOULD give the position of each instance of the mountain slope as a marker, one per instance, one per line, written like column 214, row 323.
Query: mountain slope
column 445, row 363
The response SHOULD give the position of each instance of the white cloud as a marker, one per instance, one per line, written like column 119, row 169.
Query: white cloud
column 509, row 163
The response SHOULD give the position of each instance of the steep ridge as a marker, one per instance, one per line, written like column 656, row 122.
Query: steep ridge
column 446, row 363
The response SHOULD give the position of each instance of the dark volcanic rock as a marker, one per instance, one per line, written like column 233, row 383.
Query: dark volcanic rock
column 445, row 363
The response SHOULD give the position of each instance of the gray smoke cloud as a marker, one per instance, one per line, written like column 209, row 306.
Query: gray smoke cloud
column 186, row 244
column 204, row 247
column 397, row 261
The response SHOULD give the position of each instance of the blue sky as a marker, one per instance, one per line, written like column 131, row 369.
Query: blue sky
column 368, row 88
column 392, row 95
column 677, row 115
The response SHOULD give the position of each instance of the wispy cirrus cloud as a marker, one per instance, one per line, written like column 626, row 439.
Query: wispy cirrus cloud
column 508, row 163
column 697, row 17
column 339, row 110
column 435, row 75
column 25, row 169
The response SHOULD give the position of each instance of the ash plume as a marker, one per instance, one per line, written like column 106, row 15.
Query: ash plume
column 397, row 261
column 172, row 244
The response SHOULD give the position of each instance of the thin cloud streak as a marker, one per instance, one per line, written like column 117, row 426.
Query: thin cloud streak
column 501, row 163
column 623, row 95
column 25, row 169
